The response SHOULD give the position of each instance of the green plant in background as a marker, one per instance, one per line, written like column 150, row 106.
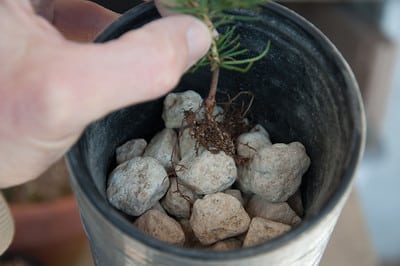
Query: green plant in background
column 225, row 47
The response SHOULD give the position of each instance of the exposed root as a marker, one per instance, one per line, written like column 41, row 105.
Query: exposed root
column 218, row 136
column 213, row 135
column 186, row 197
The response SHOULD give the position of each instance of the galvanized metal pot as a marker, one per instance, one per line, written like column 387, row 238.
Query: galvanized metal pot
column 304, row 91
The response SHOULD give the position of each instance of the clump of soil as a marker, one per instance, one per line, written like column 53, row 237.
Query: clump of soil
column 224, row 185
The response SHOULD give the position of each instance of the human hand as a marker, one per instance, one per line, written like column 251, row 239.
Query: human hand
column 51, row 88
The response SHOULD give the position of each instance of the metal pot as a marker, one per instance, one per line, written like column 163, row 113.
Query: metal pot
column 304, row 91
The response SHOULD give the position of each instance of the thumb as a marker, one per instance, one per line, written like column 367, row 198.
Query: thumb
column 141, row 65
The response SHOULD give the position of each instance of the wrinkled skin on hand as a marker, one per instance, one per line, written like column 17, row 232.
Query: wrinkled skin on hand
column 52, row 83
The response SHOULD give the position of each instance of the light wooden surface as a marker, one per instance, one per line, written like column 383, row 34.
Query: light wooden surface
column 350, row 244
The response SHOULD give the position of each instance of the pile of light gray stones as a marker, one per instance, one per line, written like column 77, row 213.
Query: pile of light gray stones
column 212, row 203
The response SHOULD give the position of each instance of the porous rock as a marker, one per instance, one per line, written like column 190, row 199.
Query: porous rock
column 159, row 225
column 218, row 216
column 217, row 113
column 190, row 238
column 227, row 244
column 136, row 185
column 260, row 129
column 235, row 193
column 187, row 144
column 261, row 230
column 177, row 201
column 275, row 171
column 158, row 207
column 163, row 147
column 249, row 143
column 175, row 105
column 130, row 149
column 207, row 173
column 278, row 212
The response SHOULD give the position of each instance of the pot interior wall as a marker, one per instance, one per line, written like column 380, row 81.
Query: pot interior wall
column 301, row 94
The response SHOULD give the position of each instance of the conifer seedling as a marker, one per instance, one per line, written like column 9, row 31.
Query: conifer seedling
column 225, row 53
column 225, row 47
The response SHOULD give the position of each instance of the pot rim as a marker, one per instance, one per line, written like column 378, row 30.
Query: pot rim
column 91, row 193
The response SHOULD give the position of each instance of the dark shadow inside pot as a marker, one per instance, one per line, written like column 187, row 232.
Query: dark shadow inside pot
column 303, row 92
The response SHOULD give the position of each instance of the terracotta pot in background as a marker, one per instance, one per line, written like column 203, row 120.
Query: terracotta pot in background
column 49, row 230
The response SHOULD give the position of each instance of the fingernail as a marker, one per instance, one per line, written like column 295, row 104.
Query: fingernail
column 199, row 40
column 162, row 10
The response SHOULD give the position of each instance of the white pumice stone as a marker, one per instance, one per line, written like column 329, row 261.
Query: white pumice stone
column 130, row 149
column 218, row 216
column 177, row 202
column 261, row 230
column 249, row 143
column 164, row 147
column 275, row 171
column 278, row 212
column 175, row 105
column 137, row 185
column 207, row 173
column 235, row 193
column 159, row 225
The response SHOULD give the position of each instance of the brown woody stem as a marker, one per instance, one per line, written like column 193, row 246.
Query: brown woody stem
column 210, row 101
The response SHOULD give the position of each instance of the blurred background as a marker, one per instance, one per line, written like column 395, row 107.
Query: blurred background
column 367, row 33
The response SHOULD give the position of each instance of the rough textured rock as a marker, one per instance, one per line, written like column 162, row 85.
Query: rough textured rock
column 177, row 202
column 217, row 217
column 159, row 225
column 218, row 221
column 218, row 114
column 235, row 193
column 207, row 173
column 162, row 146
column 158, row 207
column 175, row 104
column 241, row 237
column 136, row 185
column 296, row 203
column 249, row 143
column 261, row 230
column 275, row 171
column 278, row 212
column 130, row 149
column 190, row 238
column 259, row 128
column 246, row 197
column 187, row 145
column 227, row 244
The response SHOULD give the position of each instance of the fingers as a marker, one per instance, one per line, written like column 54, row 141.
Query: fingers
column 44, row 8
column 141, row 65
column 52, row 88
column 86, row 81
